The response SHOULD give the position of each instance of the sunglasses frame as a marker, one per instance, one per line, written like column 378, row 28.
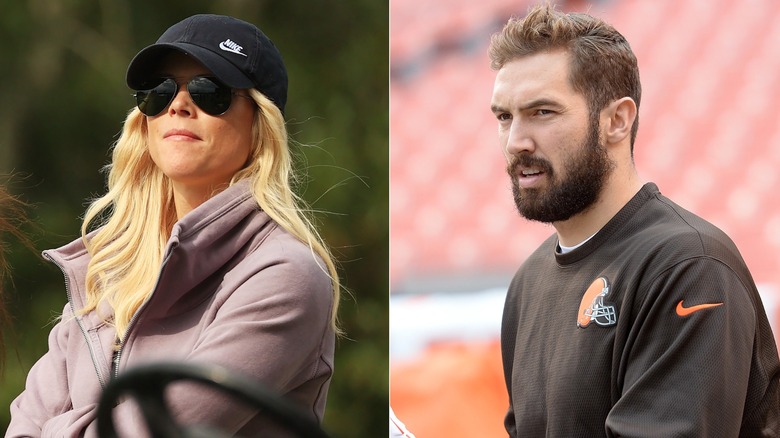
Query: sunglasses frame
column 202, row 99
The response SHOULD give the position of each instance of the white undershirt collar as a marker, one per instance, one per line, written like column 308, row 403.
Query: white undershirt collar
column 565, row 249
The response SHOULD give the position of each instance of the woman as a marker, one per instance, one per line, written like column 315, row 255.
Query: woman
column 202, row 253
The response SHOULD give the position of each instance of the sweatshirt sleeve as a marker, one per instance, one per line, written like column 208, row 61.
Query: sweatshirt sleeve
column 508, row 341
column 687, row 369
column 45, row 404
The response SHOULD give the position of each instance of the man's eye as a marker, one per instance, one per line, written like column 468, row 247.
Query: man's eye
column 543, row 112
column 503, row 116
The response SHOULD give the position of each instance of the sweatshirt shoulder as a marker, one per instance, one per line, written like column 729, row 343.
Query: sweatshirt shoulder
column 288, row 255
column 677, row 228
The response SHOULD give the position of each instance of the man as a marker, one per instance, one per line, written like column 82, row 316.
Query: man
column 636, row 318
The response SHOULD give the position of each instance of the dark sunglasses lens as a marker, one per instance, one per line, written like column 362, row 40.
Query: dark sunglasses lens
column 152, row 102
column 210, row 96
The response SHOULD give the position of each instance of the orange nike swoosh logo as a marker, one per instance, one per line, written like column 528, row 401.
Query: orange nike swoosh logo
column 685, row 311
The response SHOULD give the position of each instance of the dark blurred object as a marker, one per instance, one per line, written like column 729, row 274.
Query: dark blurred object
column 146, row 385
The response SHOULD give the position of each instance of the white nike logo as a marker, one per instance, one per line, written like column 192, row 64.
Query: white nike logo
column 232, row 47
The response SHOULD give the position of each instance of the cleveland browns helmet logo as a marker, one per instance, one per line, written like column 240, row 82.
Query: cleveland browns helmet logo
column 593, row 308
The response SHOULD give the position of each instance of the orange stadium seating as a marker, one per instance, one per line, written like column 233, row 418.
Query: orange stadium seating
column 708, row 137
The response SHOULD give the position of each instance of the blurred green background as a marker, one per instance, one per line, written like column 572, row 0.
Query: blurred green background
column 64, row 99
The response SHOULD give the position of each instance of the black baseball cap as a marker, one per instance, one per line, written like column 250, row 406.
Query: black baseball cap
column 237, row 53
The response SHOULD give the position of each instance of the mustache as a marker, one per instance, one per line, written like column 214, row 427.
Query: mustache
column 525, row 160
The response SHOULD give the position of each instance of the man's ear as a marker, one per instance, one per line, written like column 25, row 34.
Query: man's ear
column 618, row 118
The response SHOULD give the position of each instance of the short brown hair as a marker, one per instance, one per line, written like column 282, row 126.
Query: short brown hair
column 603, row 67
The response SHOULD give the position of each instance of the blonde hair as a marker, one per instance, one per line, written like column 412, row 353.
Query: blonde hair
column 136, row 215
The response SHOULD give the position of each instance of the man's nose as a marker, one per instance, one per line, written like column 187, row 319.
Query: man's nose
column 518, row 139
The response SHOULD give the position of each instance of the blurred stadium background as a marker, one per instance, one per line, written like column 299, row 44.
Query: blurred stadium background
column 709, row 137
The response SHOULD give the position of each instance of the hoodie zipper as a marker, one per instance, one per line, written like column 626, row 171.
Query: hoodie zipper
column 84, row 332
column 118, row 352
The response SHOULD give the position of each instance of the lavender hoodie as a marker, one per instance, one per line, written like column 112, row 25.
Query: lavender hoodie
column 234, row 289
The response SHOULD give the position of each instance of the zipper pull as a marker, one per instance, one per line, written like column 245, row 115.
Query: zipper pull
column 115, row 362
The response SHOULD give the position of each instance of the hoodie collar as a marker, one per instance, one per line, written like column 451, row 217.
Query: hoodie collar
column 208, row 238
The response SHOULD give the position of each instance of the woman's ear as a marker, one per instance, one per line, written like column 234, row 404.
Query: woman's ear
column 618, row 118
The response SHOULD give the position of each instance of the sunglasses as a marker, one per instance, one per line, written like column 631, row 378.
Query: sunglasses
column 210, row 95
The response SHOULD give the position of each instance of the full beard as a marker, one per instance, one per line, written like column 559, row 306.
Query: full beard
column 583, row 178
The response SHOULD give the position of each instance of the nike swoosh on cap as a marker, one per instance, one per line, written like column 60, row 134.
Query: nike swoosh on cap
column 229, row 46
column 686, row 311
